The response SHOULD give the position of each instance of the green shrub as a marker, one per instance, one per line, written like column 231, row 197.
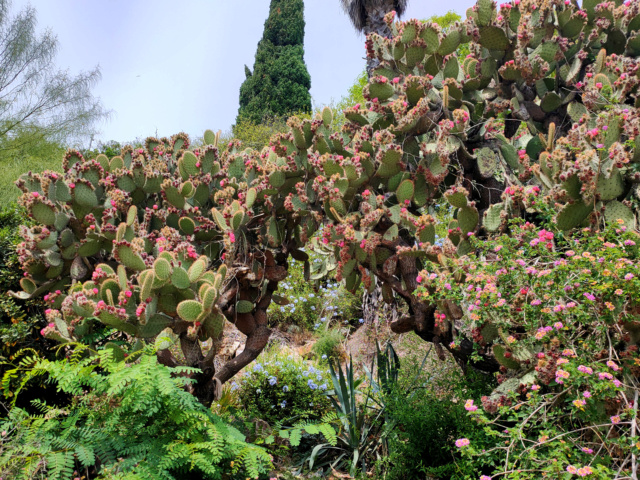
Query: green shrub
column 313, row 305
column 280, row 82
column 128, row 420
column 20, row 321
column 22, row 154
column 328, row 346
column 255, row 135
column 573, row 302
column 431, row 414
column 285, row 388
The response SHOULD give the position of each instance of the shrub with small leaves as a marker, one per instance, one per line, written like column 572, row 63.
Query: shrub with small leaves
column 20, row 321
column 313, row 305
column 328, row 345
column 284, row 388
column 560, row 314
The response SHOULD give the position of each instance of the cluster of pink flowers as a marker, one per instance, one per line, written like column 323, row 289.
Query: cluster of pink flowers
column 561, row 375
column 586, row 370
column 462, row 442
column 469, row 406
column 579, row 403
column 542, row 331
column 582, row 471
column 613, row 366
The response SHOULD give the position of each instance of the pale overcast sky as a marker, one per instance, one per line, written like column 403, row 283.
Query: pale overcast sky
column 171, row 66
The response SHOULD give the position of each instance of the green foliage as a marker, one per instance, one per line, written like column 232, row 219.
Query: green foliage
column 279, row 84
column 126, row 420
column 361, row 431
column 284, row 389
column 328, row 345
column 257, row 135
column 353, row 97
column 563, row 309
column 445, row 21
column 294, row 433
column 313, row 305
column 20, row 321
column 26, row 150
column 111, row 149
column 429, row 412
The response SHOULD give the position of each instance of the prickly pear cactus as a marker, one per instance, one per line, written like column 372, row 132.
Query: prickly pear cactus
column 163, row 239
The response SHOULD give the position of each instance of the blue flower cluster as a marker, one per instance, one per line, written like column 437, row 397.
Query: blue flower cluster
column 284, row 386
column 311, row 306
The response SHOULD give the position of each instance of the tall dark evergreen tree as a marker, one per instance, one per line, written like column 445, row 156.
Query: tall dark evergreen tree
column 280, row 83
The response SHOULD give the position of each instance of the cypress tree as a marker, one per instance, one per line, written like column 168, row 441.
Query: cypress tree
column 279, row 84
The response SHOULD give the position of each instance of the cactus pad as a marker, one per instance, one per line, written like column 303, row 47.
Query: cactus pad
column 456, row 199
column 180, row 278
column 210, row 137
column 197, row 269
column 615, row 211
column 244, row 306
column 505, row 359
column 129, row 258
column 381, row 91
column 468, row 219
column 405, row 191
column 487, row 162
column 187, row 225
column 494, row 38
column 188, row 165
column 190, row 310
column 43, row 213
column 573, row 214
column 612, row 187
column 493, row 218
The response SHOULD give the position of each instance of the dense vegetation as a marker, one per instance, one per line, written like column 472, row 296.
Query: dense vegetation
column 494, row 193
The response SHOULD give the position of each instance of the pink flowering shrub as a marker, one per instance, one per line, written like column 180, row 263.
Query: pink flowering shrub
column 562, row 319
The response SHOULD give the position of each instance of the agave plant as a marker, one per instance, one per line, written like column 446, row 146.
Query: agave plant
column 365, row 425
column 360, row 433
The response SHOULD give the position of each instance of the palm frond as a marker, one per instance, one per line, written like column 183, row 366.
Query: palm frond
column 358, row 10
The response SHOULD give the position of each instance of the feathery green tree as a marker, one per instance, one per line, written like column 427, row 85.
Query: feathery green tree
column 279, row 84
